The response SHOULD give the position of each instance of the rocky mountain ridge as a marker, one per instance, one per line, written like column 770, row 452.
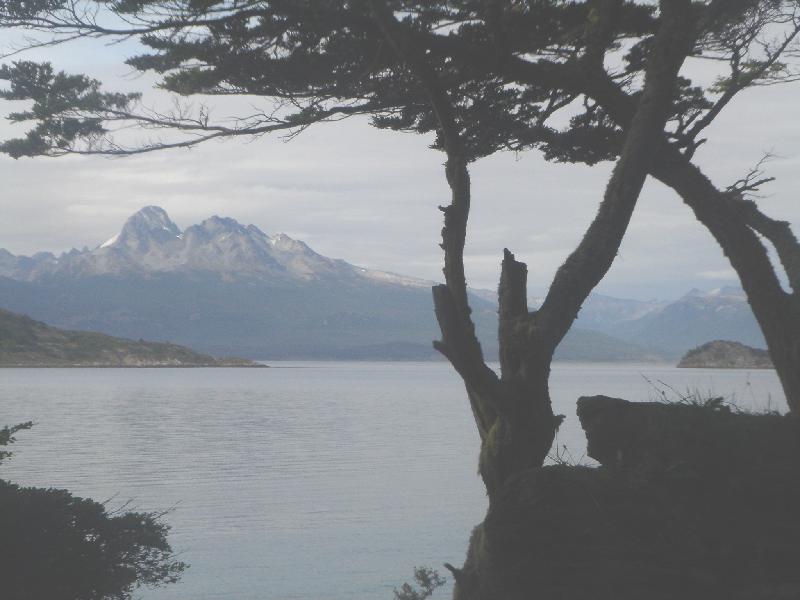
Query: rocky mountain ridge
column 150, row 242
column 694, row 319
column 668, row 328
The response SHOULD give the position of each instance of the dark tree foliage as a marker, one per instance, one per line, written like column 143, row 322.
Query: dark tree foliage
column 328, row 59
column 55, row 93
column 322, row 60
column 427, row 581
column 508, row 67
column 7, row 437
column 56, row 546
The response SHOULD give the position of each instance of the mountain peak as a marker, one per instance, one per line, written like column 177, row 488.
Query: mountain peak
column 731, row 290
column 285, row 243
column 149, row 224
column 217, row 224
column 151, row 218
column 726, row 292
column 149, row 242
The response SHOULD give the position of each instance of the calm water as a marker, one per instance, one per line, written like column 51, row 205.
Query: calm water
column 323, row 480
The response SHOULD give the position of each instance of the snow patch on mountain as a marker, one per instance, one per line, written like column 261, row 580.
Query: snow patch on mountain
column 110, row 242
column 395, row 279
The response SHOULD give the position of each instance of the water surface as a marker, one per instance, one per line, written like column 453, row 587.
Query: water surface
column 313, row 480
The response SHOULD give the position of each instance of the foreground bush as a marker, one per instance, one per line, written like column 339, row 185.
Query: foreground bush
column 56, row 546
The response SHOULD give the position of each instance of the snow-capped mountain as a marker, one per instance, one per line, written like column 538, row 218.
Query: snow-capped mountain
column 226, row 288
column 602, row 312
column 699, row 317
column 150, row 242
column 229, row 289
column 668, row 329
column 674, row 327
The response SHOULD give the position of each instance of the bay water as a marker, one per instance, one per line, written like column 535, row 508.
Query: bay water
column 305, row 480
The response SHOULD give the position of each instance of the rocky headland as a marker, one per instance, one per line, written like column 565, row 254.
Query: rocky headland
column 28, row 343
column 721, row 354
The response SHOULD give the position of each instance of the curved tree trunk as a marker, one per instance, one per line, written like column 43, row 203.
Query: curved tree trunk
column 734, row 222
column 513, row 413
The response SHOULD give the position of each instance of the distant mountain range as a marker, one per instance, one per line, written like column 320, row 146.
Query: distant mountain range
column 669, row 329
column 675, row 327
column 150, row 244
column 228, row 289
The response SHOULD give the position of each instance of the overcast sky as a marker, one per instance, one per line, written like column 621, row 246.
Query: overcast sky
column 370, row 197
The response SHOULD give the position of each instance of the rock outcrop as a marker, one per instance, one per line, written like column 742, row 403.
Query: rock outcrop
column 690, row 503
column 721, row 354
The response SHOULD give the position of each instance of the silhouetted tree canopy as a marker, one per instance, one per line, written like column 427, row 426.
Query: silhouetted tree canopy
column 508, row 67
column 56, row 546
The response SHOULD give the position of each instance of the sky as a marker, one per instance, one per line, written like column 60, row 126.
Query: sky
column 371, row 197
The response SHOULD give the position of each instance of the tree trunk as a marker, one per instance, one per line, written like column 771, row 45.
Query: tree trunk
column 733, row 222
column 726, row 218
column 734, row 227
column 514, row 413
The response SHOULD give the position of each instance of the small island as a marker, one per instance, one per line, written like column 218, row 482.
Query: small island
column 721, row 354
column 25, row 342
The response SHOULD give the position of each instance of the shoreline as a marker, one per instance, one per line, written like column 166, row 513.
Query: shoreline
column 90, row 366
